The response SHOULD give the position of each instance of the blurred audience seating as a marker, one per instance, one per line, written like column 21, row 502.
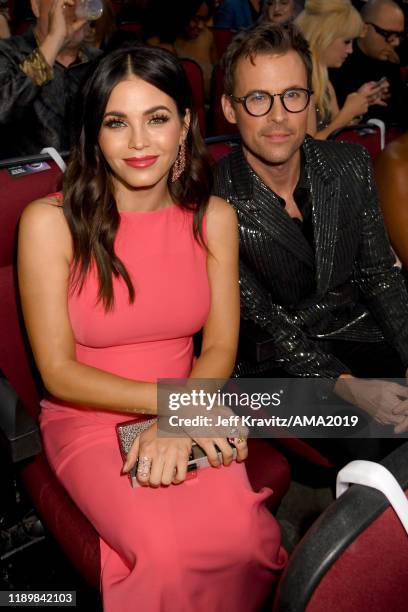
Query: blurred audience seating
column 222, row 37
column 220, row 146
column 368, row 135
column 218, row 124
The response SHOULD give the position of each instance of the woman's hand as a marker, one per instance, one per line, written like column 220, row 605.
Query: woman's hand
column 213, row 436
column 356, row 104
column 161, row 460
column 376, row 92
column 211, row 446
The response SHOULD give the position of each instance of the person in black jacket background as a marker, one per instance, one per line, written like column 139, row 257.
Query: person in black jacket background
column 41, row 73
column 375, row 57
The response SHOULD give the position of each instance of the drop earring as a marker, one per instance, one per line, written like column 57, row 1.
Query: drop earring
column 180, row 164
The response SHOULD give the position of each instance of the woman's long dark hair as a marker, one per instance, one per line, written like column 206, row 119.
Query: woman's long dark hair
column 89, row 202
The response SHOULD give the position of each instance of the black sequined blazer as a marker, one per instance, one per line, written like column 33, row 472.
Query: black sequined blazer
column 346, row 287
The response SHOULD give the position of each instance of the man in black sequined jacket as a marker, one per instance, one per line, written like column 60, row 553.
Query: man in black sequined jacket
column 317, row 271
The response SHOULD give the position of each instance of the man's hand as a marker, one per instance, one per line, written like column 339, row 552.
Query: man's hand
column 386, row 402
column 376, row 92
column 63, row 26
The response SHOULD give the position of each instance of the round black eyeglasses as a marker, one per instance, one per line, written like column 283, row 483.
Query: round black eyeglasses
column 259, row 103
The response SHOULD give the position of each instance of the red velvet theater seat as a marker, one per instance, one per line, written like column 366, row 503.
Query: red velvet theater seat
column 218, row 123
column 367, row 135
column 195, row 76
column 222, row 39
column 220, row 146
column 74, row 533
column 76, row 536
column 355, row 556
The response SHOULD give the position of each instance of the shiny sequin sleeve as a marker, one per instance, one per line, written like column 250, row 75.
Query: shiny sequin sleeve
column 343, row 286
column 294, row 351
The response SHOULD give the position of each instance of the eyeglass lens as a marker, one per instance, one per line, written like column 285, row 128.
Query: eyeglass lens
column 260, row 102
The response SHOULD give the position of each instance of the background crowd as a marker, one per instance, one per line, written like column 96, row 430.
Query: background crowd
column 358, row 49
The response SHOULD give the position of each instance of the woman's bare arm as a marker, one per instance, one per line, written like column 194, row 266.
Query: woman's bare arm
column 44, row 256
column 220, row 336
column 356, row 104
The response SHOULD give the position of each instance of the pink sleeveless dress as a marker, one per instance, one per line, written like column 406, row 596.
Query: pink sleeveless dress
column 209, row 544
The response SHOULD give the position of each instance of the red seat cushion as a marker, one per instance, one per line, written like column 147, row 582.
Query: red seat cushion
column 372, row 574
column 71, row 529
column 266, row 466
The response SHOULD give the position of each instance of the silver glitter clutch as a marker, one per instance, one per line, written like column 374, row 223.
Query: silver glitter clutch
column 128, row 431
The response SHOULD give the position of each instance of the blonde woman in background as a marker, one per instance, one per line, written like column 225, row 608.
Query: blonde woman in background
column 330, row 26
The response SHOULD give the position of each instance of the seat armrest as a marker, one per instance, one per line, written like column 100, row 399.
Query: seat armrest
column 19, row 434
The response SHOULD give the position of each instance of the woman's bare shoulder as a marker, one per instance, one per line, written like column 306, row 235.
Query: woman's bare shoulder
column 44, row 220
column 221, row 219
column 220, row 209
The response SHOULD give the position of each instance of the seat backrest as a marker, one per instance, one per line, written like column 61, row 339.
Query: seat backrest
column 15, row 357
column 220, row 146
column 222, row 39
column 130, row 26
column 366, row 135
column 195, row 76
column 355, row 556
column 218, row 123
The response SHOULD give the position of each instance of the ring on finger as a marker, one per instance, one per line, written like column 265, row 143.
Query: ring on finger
column 240, row 440
column 143, row 466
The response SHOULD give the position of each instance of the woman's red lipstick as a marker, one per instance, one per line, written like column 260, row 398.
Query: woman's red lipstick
column 141, row 162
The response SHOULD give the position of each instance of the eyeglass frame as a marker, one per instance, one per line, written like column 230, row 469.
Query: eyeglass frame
column 387, row 34
column 243, row 99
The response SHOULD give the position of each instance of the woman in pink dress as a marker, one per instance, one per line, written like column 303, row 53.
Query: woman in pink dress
column 116, row 276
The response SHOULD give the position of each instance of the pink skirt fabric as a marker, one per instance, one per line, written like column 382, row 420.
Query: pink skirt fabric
column 208, row 545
